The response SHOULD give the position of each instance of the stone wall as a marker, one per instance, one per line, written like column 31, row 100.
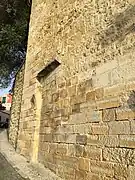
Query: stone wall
column 79, row 120
column 16, row 107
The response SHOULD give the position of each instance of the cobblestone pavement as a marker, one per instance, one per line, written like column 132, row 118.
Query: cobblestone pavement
column 7, row 172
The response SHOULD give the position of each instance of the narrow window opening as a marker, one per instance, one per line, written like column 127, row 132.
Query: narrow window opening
column 4, row 100
column 48, row 69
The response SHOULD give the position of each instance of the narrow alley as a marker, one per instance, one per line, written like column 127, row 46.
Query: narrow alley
column 7, row 172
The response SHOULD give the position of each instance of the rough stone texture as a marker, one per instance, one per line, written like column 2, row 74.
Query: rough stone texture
column 79, row 120
column 16, row 107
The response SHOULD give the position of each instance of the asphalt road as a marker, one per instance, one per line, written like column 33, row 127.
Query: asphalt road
column 7, row 172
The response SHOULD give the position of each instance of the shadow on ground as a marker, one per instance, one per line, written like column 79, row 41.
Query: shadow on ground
column 7, row 172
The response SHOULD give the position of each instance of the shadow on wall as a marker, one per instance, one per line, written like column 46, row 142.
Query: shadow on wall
column 131, row 101
column 121, row 26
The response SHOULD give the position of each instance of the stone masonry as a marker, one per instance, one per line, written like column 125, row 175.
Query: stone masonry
column 16, row 107
column 79, row 118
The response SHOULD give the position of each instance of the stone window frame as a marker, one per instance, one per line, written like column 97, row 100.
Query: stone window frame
column 45, row 72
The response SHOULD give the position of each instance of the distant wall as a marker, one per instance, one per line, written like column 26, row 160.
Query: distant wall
column 16, row 107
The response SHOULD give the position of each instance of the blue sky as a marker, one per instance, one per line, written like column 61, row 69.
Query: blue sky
column 3, row 91
column 6, row 90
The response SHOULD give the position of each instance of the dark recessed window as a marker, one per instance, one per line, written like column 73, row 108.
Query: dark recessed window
column 48, row 69
column 4, row 100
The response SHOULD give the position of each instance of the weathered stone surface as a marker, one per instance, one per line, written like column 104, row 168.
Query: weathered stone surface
column 72, row 127
column 121, row 171
column 77, row 118
column 119, row 127
column 70, row 138
column 90, row 96
column 93, row 140
column 100, row 129
column 133, row 127
column 127, row 141
column 109, row 114
column 131, row 173
column 76, row 108
column 81, row 139
column 92, row 153
column 93, row 176
column 94, row 116
column 82, row 128
column 122, row 114
column 59, row 138
column 102, row 168
column 84, row 164
column 99, row 93
column 119, row 155
column 72, row 91
column 109, row 140
column 80, row 174
column 79, row 150
column 112, row 103
column 16, row 107
column 71, row 150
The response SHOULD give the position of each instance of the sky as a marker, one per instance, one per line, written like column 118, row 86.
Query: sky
column 4, row 91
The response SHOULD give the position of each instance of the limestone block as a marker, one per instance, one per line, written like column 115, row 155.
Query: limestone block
column 111, row 103
column 123, row 114
column 93, row 176
column 100, row 129
column 133, row 127
column 63, row 93
column 62, row 149
column 93, row 140
column 82, row 128
column 116, row 128
column 76, row 108
column 80, row 174
column 109, row 140
column 81, row 139
column 77, row 118
column 71, row 150
column 93, row 153
column 90, row 96
column 94, row 116
column 72, row 90
column 61, row 85
column 74, row 80
column 121, row 171
column 109, row 114
column 59, row 138
column 131, row 173
column 84, row 164
column 127, row 141
column 99, row 93
column 79, row 150
column 78, row 99
column 70, row 138
column 103, row 168
column 119, row 155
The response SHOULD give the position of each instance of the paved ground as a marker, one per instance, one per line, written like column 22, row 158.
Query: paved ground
column 7, row 172
column 12, row 162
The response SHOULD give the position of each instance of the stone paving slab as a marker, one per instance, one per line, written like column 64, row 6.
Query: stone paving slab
column 7, row 172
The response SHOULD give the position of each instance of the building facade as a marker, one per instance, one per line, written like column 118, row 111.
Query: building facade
column 77, row 111
column 4, row 117
column 6, row 101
